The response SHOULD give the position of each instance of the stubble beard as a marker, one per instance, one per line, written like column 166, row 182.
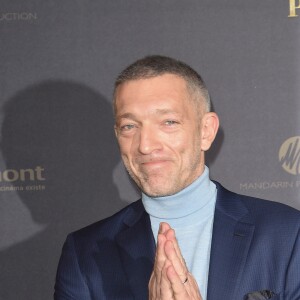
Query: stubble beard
column 153, row 185
column 160, row 184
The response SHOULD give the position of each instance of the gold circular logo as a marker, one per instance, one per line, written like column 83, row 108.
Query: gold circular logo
column 289, row 155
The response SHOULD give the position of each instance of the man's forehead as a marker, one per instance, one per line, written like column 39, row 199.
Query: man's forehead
column 157, row 111
column 162, row 93
column 154, row 79
column 167, row 84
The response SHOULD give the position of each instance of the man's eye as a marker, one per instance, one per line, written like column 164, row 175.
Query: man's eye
column 171, row 122
column 127, row 127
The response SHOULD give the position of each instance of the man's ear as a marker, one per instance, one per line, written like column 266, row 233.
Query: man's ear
column 116, row 130
column 209, row 129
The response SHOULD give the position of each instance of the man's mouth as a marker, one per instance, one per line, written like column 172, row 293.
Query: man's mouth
column 155, row 163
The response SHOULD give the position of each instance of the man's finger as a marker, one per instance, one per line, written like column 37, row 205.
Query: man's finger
column 183, row 290
column 152, row 287
column 159, row 263
column 163, row 227
column 177, row 261
column 160, row 256
column 178, row 287
column 170, row 235
column 166, row 292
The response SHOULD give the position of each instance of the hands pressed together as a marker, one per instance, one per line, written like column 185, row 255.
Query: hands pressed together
column 170, row 278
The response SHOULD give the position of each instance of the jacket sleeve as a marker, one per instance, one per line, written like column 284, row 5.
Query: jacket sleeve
column 70, row 283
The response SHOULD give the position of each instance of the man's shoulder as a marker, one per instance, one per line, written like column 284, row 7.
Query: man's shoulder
column 260, row 210
column 110, row 226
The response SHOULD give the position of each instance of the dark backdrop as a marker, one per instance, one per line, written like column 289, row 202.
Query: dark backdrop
column 59, row 163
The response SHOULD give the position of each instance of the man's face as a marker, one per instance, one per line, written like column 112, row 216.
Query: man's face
column 159, row 133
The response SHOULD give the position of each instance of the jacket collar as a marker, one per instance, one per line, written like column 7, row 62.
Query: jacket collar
column 232, row 234
column 137, row 249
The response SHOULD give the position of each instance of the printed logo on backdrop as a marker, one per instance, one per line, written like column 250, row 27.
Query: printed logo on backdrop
column 294, row 5
column 289, row 160
column 18, row 16
column 289, row 155
column 22, row 179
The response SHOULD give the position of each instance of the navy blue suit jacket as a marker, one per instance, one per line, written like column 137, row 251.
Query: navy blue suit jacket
column 255, row 246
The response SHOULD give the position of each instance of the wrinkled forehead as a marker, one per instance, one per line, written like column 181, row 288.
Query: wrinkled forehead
column 162, row 85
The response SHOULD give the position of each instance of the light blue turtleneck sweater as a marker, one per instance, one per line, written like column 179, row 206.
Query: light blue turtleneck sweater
column 190, row 213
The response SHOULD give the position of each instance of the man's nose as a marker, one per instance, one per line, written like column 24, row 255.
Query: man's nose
column 149, row 140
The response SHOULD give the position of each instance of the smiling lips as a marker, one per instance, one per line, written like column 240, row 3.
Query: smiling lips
column 154, row 163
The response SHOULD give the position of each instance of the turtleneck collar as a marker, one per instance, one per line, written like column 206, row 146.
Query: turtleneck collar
column 189, row 200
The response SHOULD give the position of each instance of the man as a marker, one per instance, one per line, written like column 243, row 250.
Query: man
column 188, row 237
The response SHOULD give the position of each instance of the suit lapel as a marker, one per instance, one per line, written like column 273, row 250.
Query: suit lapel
column 137, row 257
column 232, row 235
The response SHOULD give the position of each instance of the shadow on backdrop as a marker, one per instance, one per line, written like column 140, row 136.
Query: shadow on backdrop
column 66, row 129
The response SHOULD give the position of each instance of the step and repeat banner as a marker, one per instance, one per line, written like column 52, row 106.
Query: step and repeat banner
column 60, row 167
